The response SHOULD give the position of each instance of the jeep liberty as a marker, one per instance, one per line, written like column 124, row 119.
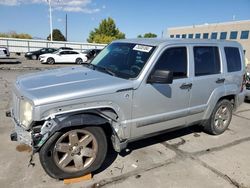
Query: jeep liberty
column 132, row 89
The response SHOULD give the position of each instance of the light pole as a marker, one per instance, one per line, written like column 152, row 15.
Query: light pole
column 50, row 20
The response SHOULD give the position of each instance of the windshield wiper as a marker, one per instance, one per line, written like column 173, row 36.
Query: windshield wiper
column 99, row 68
column 106, row 70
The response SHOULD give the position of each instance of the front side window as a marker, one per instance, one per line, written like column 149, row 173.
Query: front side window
column 223, row 35
column 206, row 60
column 233, row 59
column 124, row 60
column 64, row 53
column 175, row 60
column 233, row 35
column 244, row 34
column 73, row 52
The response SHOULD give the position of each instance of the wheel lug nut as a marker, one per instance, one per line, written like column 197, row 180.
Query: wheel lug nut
column 72, row 154
column 76, row 144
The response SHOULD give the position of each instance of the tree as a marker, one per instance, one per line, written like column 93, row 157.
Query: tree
column 13, row 34
column 147, row 35
column 106, row 32
column 57, row 35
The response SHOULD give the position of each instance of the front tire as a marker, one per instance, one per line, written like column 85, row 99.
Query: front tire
column 74, row 153
column 220, row 118
column 50, row 61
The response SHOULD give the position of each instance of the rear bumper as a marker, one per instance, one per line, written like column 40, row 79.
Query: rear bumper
column 248, row 94
column 240, row 99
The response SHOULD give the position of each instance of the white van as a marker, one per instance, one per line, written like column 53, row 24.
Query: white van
column 4, row 52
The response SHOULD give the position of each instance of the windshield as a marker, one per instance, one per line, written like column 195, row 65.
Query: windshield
column 55, row 52
column 124, row 60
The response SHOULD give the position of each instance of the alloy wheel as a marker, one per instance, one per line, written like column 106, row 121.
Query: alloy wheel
column 75, row 150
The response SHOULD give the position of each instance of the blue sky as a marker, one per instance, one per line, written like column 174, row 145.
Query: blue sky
column 133, row 17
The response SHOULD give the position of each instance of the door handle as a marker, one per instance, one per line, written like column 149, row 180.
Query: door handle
column 186, row 86
column 220, row 80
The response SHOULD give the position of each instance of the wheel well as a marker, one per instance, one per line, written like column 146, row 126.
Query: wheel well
column 103, row 117
column 231, row 98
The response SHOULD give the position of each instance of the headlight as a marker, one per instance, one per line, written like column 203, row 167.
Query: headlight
column 25, row 113
column 28, row 53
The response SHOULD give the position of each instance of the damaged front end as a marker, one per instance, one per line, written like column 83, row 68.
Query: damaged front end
column 41, row 131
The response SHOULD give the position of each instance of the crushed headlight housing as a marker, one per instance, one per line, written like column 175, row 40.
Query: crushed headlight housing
column 26, row 111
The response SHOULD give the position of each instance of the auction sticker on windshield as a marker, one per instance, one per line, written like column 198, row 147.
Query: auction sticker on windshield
column 142, row 48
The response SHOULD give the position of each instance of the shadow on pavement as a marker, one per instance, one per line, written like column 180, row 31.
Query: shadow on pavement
column 112, row 155
column 169, row 135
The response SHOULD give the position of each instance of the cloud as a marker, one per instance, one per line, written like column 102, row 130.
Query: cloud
column 83, row 6
column 9, row 2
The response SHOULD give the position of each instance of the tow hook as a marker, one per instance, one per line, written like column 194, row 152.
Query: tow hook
column 13, row 136
column 8, row 114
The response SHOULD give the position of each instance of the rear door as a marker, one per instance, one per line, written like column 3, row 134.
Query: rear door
column 208, row 79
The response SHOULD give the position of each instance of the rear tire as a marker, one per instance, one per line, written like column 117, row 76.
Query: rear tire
column 220, row 118
column 50, row 61
column 74, row 153
column 79, row 61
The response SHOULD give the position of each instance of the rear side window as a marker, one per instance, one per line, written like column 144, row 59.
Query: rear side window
column 175, row 60
column 206, row 60
column 233, row 59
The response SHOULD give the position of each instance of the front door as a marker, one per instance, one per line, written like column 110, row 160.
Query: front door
column 158, row 107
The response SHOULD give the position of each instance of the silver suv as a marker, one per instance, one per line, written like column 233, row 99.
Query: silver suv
column 131, row 89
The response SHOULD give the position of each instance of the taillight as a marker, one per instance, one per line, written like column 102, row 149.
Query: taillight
column 243, row 83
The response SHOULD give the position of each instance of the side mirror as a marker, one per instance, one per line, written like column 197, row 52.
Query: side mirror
column 161, row 77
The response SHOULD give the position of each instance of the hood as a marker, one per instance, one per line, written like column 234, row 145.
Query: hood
column 68, row 83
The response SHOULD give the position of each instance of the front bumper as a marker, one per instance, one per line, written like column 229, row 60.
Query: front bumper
column 19, row 134
column 42, row 59
column 28, row 56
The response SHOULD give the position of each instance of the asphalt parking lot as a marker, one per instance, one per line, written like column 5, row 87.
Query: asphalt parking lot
column 184, row 158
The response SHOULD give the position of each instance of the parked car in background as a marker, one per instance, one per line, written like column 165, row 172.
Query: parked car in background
column 35, row 54
column 63, row 56
column 65, row 48
column 91, row 53
column 248, row 86
column 4, row 52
